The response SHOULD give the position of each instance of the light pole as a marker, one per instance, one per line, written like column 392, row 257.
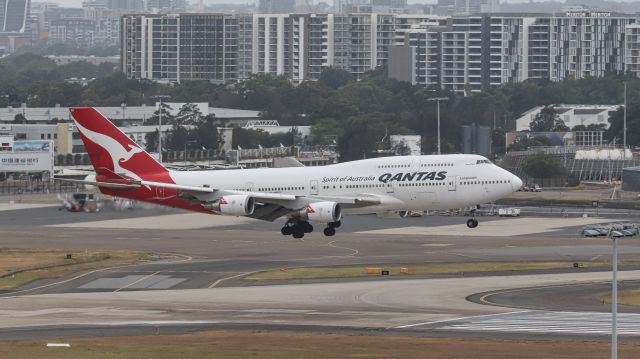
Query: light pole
column 614, row 235
column 161, row 98
column 624, row 130
column 437, row 100
column 185, row 149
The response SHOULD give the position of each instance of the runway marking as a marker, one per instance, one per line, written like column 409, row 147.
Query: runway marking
column 355, row 251
column 216, row 283
column 484, row 299
column 49, row 285
column 463, row 255
column 137, row 281
column 453, row 320
column 546, row 322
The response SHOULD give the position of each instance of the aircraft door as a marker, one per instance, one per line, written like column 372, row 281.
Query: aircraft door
column 313, row 189
column 452, row 183
column 390, row 188
column 249, row 186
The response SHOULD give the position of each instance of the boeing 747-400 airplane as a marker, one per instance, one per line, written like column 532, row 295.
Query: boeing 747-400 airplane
column 389, row 186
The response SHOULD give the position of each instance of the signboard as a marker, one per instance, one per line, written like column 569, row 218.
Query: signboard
column 26, row 162
column 32, row 146
column 588, row 14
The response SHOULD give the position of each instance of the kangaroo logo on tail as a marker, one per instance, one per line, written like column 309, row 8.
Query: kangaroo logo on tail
column 112, row 152
column 118, row 153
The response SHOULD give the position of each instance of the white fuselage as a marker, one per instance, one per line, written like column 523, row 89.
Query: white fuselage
column 402, row 183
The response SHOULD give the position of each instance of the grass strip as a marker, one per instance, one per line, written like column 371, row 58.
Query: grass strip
column 20, row 266
column 415, row 269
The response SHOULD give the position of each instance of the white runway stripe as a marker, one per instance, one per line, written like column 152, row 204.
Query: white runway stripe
column 545, row 322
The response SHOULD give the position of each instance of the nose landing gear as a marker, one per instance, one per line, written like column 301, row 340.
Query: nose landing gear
column 472, row 223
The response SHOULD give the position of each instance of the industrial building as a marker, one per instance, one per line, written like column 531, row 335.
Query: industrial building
column 572, row 115
column 125, row 115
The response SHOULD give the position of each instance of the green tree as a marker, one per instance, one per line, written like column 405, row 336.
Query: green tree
column 189, row 114
column 334, row 78
column 529, row 143
column 151, row 140
column 19, row 119
column 541, row 165
column 167, row 117
column 206, row 133
column 547, row 120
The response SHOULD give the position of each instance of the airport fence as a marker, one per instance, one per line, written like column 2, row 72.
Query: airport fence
column 37, row 187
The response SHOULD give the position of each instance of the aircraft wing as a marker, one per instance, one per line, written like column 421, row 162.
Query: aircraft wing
column 271, row 206
column 363, row 200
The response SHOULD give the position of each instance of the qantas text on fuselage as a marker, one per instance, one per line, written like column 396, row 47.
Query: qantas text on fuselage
column 389, row 186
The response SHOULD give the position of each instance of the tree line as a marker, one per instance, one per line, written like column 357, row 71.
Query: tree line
column 355, row 116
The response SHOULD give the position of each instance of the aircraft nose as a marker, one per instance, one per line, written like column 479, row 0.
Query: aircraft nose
column 516, row 183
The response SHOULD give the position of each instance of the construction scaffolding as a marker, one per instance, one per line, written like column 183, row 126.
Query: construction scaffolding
column 584, row 169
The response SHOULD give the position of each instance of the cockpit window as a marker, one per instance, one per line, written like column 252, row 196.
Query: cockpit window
column 483, row 161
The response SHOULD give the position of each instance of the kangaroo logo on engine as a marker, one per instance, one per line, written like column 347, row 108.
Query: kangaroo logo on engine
column 413, row 176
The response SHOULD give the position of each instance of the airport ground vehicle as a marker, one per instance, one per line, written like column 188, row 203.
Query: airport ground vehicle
column 509, row 212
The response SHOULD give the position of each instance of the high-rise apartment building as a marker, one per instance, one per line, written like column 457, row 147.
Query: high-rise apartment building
column 632, row 49
column 478, row 52
column 176, row 48
column 465, row 54
column 15, row 24
column 297, row 46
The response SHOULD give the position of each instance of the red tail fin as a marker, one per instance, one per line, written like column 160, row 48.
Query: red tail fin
column 113, row 154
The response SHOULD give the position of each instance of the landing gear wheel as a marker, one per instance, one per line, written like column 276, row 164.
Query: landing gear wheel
column 335, row 224
column 306, row 227
column 297, row 233
column 329, row 232
column 286, row 231
column 472, row 223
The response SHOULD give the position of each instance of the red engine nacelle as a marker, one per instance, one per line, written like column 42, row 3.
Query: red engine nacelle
column 323, row 212
column 236, row 205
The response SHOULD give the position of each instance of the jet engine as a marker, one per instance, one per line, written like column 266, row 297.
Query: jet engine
column 235, row 205
column 393, row 214
column 323, row 212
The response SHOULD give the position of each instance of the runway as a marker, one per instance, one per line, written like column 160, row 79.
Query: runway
column 201, row 283
column 423, row 304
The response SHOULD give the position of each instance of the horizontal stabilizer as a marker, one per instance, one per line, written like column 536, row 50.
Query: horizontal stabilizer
column 112, row 185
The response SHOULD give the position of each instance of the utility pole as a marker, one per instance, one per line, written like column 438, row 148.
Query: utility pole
column 624, row 134
column 161, row 98
column 437, row 100
column 614, row 294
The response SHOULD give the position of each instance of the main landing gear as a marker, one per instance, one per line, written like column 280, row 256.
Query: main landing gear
column 330, row 231
column 472, row 222
column 298, row 229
